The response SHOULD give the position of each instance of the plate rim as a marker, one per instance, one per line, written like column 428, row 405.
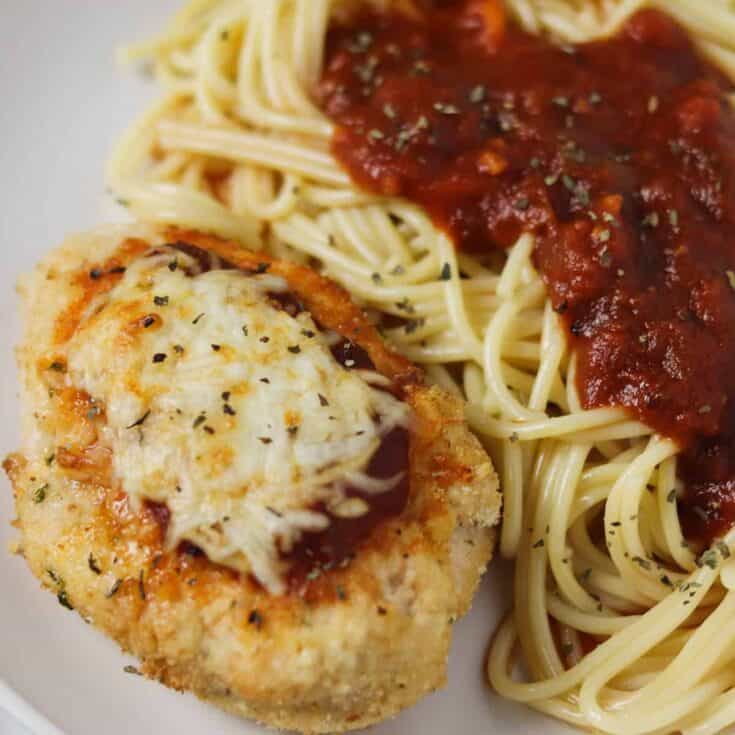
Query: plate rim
column 28, row 716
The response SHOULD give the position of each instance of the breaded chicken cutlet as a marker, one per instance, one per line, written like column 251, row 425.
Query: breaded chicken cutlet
column 226, row 469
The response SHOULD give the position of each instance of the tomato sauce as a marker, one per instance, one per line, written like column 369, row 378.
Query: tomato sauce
column 323, row 550
column 619, row 155
column 336, row 545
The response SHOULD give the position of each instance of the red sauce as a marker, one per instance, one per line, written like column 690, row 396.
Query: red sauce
column 352, row 356
column 336, row 545
column 325, row 549
column 619, row 155
column 160, row 514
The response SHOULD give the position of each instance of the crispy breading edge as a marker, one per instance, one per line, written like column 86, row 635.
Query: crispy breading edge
column 316, row 662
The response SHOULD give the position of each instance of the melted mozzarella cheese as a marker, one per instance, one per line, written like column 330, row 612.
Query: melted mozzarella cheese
column 228, row 409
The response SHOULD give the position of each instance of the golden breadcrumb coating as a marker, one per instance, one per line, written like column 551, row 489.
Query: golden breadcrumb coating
column 350, row 647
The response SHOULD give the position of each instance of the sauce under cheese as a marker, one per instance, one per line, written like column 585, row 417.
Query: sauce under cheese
column 232, row 410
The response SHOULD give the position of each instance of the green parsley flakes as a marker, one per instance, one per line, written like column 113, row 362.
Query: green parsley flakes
column 39, row 494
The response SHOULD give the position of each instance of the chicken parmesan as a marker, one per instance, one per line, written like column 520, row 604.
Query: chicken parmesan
column 227, row 470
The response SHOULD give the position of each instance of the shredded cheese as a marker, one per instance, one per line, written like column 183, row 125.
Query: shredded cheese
column 228, row 409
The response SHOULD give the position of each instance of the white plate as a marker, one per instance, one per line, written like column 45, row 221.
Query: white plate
column 63, row 104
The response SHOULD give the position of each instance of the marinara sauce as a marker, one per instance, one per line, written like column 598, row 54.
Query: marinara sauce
column 619, row 155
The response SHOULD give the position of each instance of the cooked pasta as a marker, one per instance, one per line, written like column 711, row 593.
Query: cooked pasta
column 237, row 147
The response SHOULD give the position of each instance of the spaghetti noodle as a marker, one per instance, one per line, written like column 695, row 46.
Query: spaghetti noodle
column 630, row 635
